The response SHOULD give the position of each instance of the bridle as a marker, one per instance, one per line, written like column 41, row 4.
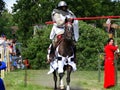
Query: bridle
column 68, row 34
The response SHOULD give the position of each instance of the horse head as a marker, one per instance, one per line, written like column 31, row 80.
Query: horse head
column 69, row 29
column 66, row 43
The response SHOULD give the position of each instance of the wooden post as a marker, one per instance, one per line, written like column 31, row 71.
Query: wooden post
column 8, row 59
column 100, row 58
column 115, row 61
column 25, row 79
column 1, row 59
column 99, row 70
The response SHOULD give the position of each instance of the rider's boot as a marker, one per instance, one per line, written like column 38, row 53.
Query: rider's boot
column 74, row 48
column 51, row 53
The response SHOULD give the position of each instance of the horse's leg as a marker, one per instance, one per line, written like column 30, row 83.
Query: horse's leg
column 69, row 70
column 61, row 81
column 55, row 80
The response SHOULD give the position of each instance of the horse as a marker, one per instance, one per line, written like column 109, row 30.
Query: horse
column 65, row 57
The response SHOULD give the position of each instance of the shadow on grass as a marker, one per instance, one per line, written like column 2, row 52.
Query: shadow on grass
column 74, row 88
column 77, row 89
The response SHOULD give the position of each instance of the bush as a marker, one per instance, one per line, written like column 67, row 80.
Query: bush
column 91, row 40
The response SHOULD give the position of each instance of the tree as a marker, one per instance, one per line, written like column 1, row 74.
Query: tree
column 31, row 12
column 2, row 6
column 36, row 49
column 5, row 20
column 91, row 40
column 27, row 13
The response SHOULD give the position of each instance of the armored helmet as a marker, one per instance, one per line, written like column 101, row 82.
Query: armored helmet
column 61, row 4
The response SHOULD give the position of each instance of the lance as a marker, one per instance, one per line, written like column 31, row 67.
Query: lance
column 89, row 18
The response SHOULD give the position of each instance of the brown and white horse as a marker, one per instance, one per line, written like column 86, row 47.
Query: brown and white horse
column 65, row 57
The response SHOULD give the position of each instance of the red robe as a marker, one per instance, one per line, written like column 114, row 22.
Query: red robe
column 109, row 68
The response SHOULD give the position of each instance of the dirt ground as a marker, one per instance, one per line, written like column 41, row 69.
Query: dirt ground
column 43, row 79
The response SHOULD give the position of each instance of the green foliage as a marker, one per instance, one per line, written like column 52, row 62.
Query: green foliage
column 5, row 24
column 30, row 12
column 27, row 13
column 36, row 49
column 2, row 6
column 91, row 40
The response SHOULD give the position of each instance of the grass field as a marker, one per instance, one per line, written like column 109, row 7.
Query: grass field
column 39, row 80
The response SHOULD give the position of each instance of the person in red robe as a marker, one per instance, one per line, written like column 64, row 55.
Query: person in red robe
column 26, row 63
column 109, row 68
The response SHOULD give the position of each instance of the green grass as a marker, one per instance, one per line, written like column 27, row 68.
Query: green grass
column 39, row 80
column 15, row 80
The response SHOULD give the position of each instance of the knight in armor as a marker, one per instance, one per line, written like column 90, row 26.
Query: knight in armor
column 59, row 16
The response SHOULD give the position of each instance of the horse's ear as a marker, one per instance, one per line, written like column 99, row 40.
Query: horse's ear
column 69, row 20
column 66, row 20
column 72, row 20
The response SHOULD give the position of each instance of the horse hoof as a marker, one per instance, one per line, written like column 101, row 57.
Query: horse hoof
column 62, row 87
column 55, row 89
column 68, row 88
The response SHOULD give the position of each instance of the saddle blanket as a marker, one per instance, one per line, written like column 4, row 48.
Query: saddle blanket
column 54, row 65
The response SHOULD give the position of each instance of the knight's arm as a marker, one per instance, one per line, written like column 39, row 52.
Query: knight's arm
column 59, row 21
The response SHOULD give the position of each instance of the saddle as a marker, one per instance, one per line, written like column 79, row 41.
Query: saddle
column 53, row 47
column 55, row 44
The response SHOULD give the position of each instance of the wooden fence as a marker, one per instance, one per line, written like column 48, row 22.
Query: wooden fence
column 4, row 56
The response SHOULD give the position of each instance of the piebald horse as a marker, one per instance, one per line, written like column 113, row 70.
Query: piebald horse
column 65, row 56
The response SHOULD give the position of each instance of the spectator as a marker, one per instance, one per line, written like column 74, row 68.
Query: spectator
column 26, row 63
column 2, row 66
column 109, row 68
column 109, row 28
column 2, row 87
